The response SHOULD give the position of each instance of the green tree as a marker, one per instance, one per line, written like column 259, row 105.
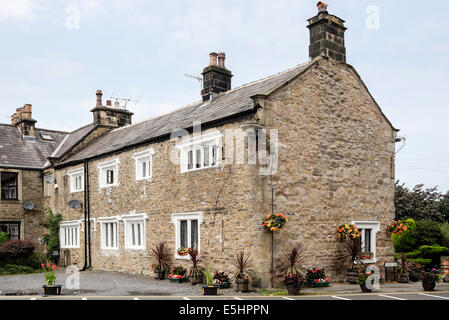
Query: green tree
column 443, row 206
column 418, row 203
column 428, row 233
column 405, row 241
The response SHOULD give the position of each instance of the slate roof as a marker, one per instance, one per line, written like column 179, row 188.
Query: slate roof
column 73, row 138
column 17, row 153
column 230, row 103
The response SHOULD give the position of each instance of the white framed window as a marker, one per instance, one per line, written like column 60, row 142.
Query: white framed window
column 135, row 231
column 109, row 233
column 369, row 230
column 144, row 164
column 187, row 231
column 47, row 181
column 69, row 234
column 201, row 152
column 76, row 180
column 108, row 173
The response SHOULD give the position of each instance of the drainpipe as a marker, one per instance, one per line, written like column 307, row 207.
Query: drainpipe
column 87, row 254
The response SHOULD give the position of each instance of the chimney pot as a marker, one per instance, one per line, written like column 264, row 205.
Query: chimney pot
column 213, row 59
column 117, row 104
column 322, row 7
column 108, row 103
column 99, row 95
column 221, row 60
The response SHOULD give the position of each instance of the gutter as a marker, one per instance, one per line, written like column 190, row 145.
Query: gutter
column 87, row 241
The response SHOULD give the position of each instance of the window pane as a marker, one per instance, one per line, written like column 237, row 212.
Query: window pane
column 9, row 185
column 194, row 233
column 183, row 233
column 214, row 155
column 206, row 156
column 106, row 234
column 139, row 235
column 133, row 234
column 198, row 158
column 190, row 160
column 367, row 240
column 144, row 169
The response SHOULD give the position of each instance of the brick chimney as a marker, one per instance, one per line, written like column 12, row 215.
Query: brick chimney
column 327, row 35
column 216, row 78
column 23, row 120
column 108, row 115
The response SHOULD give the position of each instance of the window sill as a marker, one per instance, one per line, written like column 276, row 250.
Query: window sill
column 70, row 247
column 109, row 186
column 369, row 261
column 135, row 248
column 177, row 257
column 200, row 169
column 109, row 249
column 77, row 191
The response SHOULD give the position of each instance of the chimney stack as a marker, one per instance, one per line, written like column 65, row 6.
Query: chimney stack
column 327, row 35
column 109, row 116
column 23, row 120
column 216, row 78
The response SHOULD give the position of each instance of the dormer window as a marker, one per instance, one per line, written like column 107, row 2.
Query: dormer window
column 108, row 173
column 76, row 180
column 144, row 164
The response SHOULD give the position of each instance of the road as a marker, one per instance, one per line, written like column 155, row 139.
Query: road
column 403, row 296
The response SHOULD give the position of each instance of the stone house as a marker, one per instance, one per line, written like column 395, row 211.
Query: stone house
column 310, row 142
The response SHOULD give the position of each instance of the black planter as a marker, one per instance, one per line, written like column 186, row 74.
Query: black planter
column 365, row 289
column 428, row 285
column 196, row 280
column 403, row 278
column 242, row 286
column 293, row 290
column 160, row 275
column 51, row 290
column 210, row 291
column 414, row 276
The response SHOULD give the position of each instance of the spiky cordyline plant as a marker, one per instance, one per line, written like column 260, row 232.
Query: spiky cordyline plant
column 242, row 263
column 160, row 252
column 353, row 251
column 195, row 270
column 291, row 261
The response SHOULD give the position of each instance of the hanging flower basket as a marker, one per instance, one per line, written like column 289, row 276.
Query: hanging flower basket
column 274, row 222
column 348, row 231
column 397, row 227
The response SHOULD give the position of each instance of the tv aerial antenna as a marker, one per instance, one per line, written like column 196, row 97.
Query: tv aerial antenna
column 126, row 100
column 200, row 79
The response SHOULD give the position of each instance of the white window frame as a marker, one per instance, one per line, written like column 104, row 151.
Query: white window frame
column 47, row 184
column 141, row 158
column 213, row 139
column 128, row 221
column 73, row 176
column 176, row 220
column 102, row 174
column 374, row 226
column 69, row 228
column 103, row 225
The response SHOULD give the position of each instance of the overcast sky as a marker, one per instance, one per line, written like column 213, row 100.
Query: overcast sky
column 55, row 59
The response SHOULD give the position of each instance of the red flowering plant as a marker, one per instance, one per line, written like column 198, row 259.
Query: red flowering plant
column 274, row 222
column 396, row 227
column 293, row 279
column 317, row 276
column 178, row 273
column 348, row 231
column 50, row 273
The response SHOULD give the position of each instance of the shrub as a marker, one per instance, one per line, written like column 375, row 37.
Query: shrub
column 16, row 250
column 428, row 233
column 16, row 269
column 433, row 252
column 405, row 241
column 3, row 238
column 52, row 223
column 445, row 234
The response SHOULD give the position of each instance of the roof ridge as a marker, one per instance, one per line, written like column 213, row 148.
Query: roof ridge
column 52, row 130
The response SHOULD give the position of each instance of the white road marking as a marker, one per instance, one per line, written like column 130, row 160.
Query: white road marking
column 185, row 298
column 341, row 298
column 84, row 298
column 390, row 297
column 287, row 298
column 136, row 298
column 433, row 296
column 237, row 298
column 33, row 299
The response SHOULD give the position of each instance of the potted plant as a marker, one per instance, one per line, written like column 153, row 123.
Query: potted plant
column 183, row 251
column 209, row 289
column 351, row 258
column 221, row 280
column 178, row 275
column 414, row 271
column 161, row 253
column 195, row 272
column 317, row 278
column 446, row 277
column 290, row 267
column 429, row 279
column 50, row 287
column 403, row 269
column 242, row 276
column 362, row 281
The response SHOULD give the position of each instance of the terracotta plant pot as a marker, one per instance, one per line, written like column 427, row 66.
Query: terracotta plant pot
column 365, row 289
column 428, row 285
column 242, row 286
column 54, row 290
column 293, row 290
